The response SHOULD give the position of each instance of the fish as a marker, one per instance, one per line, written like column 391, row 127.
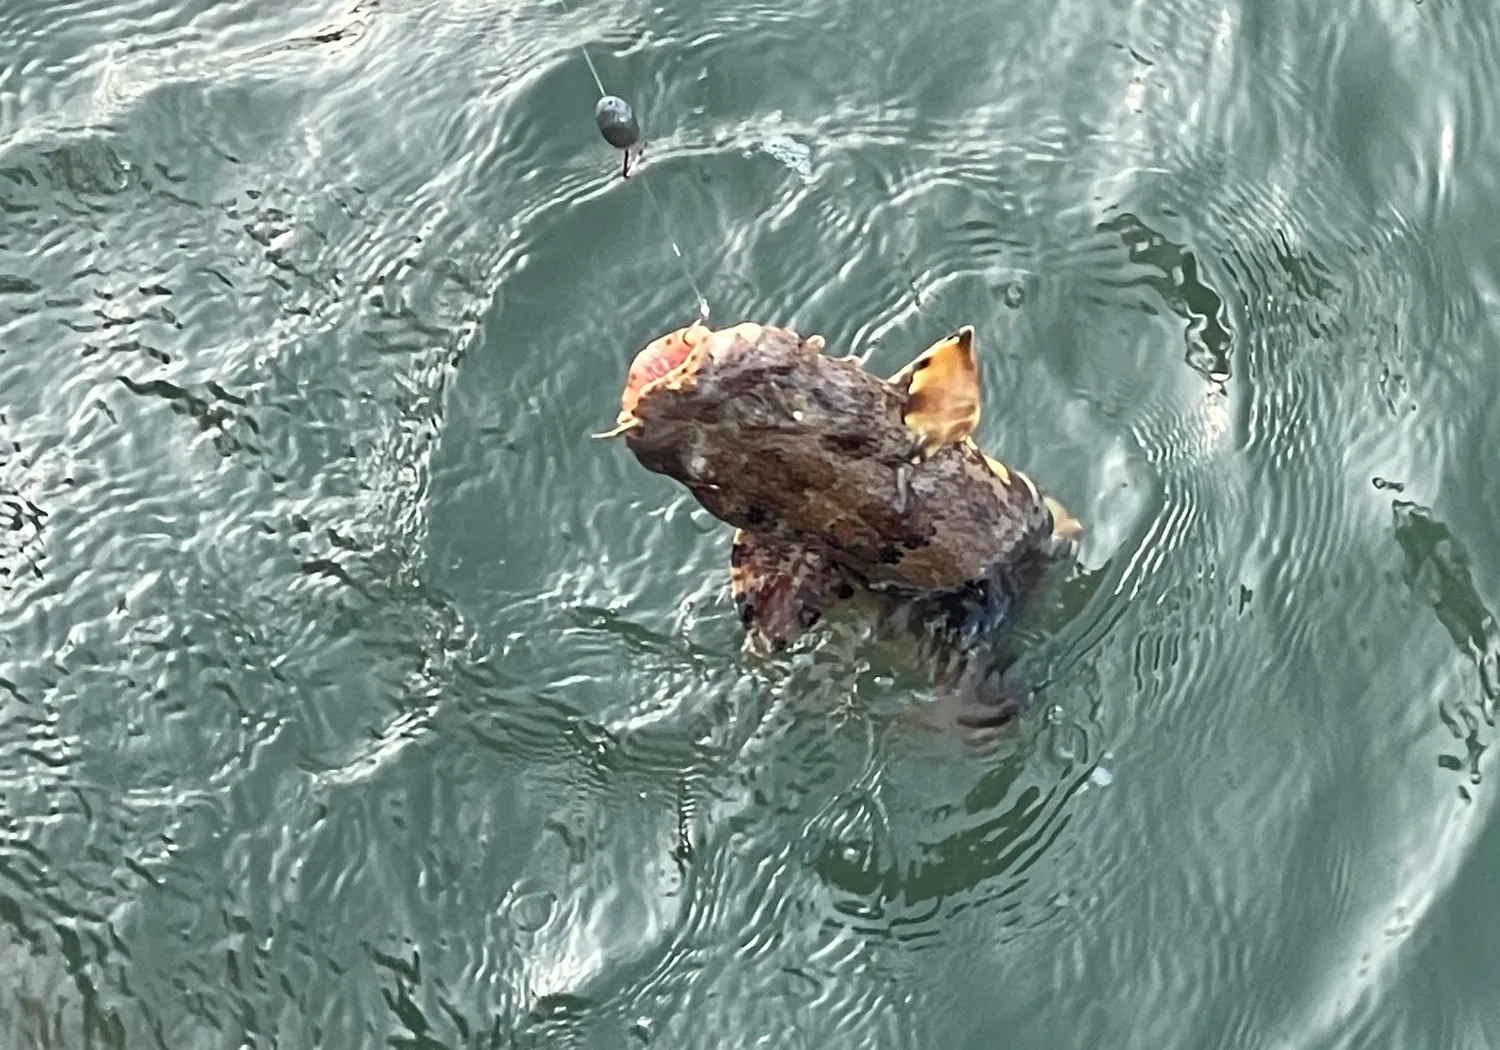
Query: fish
column 845, row 487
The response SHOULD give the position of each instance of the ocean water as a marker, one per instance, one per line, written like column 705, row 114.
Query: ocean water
column 351, row 696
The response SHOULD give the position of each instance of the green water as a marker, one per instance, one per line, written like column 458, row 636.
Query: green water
column 351, row 697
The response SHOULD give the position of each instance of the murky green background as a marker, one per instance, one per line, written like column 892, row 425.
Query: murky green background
column 351, row 697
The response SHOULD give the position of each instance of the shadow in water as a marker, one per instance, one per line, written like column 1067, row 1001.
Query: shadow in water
column 977, row 851
column 905, row 883
column 1174, row 273
column 1436, row 567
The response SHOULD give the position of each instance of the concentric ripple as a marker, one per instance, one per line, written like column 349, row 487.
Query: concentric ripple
column 350, row 695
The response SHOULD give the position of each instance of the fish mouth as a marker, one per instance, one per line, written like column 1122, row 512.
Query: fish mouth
column 662, row 359
column 671, row 361
column 666, row 359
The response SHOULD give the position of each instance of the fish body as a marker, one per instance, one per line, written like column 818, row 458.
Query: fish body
column 842, row 484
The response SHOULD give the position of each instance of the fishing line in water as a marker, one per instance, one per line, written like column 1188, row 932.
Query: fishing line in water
column 617, row 123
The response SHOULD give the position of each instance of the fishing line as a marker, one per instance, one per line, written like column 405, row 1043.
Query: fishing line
column 618, row 125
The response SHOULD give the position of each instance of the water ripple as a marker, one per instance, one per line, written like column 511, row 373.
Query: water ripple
column 349, row 695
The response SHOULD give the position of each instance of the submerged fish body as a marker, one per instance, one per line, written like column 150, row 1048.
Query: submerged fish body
column 844, row 485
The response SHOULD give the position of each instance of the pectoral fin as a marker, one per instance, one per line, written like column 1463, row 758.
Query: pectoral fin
column 942, row 392
column 1066, row 529
column 780, row 590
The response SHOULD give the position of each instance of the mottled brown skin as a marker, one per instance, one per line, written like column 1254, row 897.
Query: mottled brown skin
column 841, row 482
column 775, row 438
column 781, row 590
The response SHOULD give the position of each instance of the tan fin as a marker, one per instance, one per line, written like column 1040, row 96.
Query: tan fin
column 942, row 392
column 1066, row 529
column 1000, row 470
column 1036, row 494
column 741, row 573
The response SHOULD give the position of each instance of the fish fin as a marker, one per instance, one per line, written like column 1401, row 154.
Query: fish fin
column 780, row 590
column 942, row 392
column 741, row 569
column 1066, row 529
column 1036, row 493
column 1000, row 470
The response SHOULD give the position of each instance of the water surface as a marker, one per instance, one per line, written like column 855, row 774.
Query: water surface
column 350, row 696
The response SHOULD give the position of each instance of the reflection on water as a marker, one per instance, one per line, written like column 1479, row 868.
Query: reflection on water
column 349, row 695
